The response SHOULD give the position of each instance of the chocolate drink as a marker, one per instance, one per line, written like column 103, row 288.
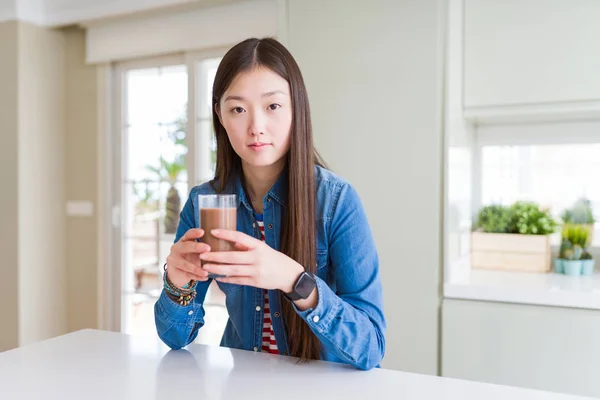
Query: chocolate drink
column 217, row 218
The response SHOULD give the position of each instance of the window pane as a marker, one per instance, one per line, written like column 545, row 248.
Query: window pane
column 154, row 185
column 554, row 176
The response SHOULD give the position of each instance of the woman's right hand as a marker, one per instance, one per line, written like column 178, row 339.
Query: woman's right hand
column 183, row 263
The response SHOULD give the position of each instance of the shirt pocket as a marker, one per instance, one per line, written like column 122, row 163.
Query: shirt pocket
column 322, row 260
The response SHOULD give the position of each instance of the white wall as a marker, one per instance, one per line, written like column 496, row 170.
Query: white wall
column 548, row 348
column 180, row 31
column 531, row 51
column 23, row 10
column 54, row 13
column 42, row 263
column 9, row 178
column 374, row 76
column 66, row 12
column 8, row 10
column 81, row 160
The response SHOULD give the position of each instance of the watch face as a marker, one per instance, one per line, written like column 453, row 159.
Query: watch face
column 305, row 285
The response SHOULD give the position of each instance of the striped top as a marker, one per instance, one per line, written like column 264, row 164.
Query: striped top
column 269, row 344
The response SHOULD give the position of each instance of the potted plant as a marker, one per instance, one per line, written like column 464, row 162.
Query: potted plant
column 515, row 237
column 574, row 259
column 580, row 213
column 587, row 264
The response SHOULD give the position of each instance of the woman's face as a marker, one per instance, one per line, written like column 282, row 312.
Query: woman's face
column 256, row 112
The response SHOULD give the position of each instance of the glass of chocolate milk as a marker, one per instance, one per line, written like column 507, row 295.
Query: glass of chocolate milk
column 217, row 211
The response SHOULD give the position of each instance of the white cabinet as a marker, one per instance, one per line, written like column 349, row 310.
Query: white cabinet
column 531, row 51
column 548, row 348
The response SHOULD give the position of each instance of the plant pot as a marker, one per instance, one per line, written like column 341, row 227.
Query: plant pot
column 558, row 266
column 572, row 267
column 511, row 252
column 587, row 267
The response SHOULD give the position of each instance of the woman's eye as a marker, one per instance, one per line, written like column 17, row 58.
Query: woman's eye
column 237, row 110
column 274, row 106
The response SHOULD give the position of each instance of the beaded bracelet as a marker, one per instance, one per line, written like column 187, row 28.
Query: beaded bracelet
column 188, row 287
column 183, row 300
column 183, row 296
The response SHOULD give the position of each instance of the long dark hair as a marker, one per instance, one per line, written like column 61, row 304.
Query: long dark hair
column 298, row 231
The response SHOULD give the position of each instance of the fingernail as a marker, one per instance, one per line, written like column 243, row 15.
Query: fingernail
column 215, row 231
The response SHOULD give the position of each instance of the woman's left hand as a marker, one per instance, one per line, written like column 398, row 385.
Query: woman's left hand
column 253, row 264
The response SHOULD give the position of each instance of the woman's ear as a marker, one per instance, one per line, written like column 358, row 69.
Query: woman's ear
column 218, row 112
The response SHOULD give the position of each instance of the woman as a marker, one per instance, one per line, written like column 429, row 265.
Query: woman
column 304, row 279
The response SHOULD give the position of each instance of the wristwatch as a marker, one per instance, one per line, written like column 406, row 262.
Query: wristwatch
column 303, row 287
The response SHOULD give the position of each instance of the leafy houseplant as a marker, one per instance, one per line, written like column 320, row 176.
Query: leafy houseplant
column 514, row 237
column 525, row 218
column 494, row 218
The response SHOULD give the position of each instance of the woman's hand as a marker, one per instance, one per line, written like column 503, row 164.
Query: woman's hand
column 183, row 263
column 253, row 264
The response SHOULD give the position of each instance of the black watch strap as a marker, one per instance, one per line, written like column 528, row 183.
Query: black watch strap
column 303, row 287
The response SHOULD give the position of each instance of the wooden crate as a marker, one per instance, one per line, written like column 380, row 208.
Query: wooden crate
column 510, row 252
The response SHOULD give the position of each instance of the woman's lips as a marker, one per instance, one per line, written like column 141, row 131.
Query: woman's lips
column 258, row 146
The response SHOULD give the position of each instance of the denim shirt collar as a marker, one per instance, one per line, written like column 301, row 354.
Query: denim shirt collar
column 279, row 191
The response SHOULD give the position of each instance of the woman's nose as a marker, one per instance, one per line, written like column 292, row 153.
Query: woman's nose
column 257, row 124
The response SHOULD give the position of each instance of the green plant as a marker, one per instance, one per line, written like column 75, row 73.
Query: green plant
column 494, row 218
column 576, row 234
column 586, row 255
column 170, row 171
column 575, row 239
column 566, row 249
column 580, row 213
column 528, row 218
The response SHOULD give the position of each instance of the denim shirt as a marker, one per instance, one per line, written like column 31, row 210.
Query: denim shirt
column 348, row 318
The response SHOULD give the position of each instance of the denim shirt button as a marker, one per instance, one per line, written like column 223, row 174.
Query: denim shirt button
column 268, row 199
column 316, row 319
column 276, row 315
column 255, row 349
column 270, row 226
column 257, row 308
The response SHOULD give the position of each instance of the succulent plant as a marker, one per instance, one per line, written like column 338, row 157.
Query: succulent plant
column 568, row 255
column 580, row 213
column 565, row 246
column 575, row 239
column 577, row 252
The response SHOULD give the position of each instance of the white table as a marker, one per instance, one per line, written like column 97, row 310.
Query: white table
column 104, row 365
